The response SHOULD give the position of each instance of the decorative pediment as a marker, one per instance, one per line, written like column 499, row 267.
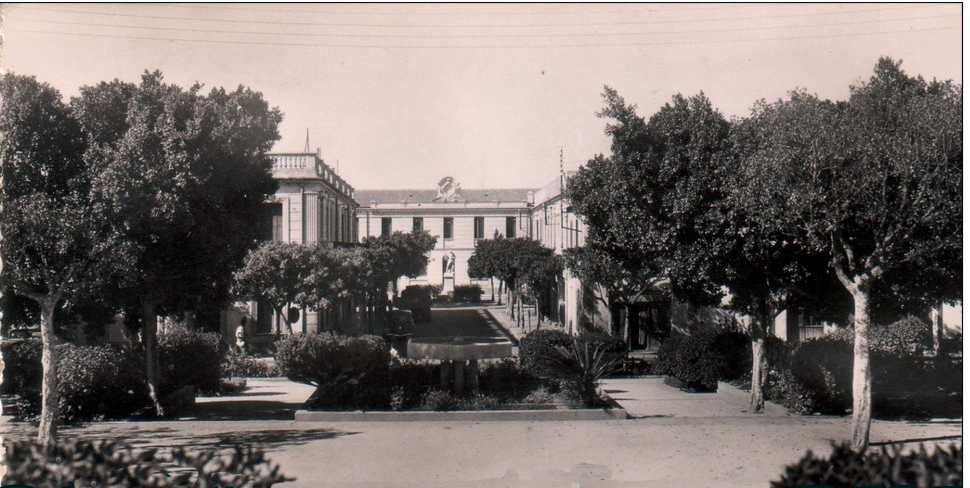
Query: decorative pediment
column 448, row 191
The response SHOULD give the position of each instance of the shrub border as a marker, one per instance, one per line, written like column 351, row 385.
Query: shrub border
column 615, row 413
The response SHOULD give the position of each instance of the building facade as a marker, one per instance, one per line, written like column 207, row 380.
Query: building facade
column 313, row 205
column 457, row 217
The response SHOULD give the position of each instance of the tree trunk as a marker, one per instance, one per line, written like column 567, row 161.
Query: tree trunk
column 501, row 290
column 861, row 374
column 491, row 282
column 50, row 395
column 759, row 366
column 938, row 330
column 149, row 333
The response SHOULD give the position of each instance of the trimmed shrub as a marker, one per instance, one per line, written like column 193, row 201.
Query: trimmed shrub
column 781, row 387
column 190, row 358
column 735, row 350
column 777, row 353
column 467, row 294
column 236, row 365
column 507, row 380
column 348, row 372
column 823, row 367
column 74, row 462
column 845, row 467
column 690, row 359
column 22, row 371
column 440, row 400
column 541, row 344
column 100, row 382
column 905, row 337
column 94, row 381
column 418, row 300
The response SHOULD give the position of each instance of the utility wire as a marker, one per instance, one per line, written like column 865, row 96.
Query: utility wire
column 343, row 24
column 492, row 46
column 559, row 9
column 480, row 35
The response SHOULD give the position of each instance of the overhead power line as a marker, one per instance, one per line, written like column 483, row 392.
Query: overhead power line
column 529, row 25
column 560, row 9
column 482, row 35
column 492, row 46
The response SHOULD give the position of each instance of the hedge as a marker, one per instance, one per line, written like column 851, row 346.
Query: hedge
column 845, row 467
column 94, row 381
column 692, row 360
column 348, row 372
column 190, row 358
column 74, row 462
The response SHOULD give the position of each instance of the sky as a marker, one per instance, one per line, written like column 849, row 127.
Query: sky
column 402, row 95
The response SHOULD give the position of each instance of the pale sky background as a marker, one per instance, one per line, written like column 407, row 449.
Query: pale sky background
column 402, row 94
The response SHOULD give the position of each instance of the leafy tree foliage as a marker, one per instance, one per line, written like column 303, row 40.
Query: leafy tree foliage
column 190, row 173
column 874, row 184
column 482, row 262
column 525, row 266
column 280, row 274
column 59, row 238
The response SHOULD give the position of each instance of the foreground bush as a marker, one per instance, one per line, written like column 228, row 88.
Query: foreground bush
column 348, row 372
column 540, row 344
column 823, row 368
column 845, row 468
column 22, row 371
column 75, row 462
column 692, row 360
column 817, row 378
column 580, row 366
column 190, row 358
column 734, row 348
column 94, row 381
column 101, row 382
column 236, row 365
column 467, row 294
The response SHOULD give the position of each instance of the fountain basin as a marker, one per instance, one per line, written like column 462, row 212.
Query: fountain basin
column 459, row 348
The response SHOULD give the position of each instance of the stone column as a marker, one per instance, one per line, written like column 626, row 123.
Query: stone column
column 311, row 219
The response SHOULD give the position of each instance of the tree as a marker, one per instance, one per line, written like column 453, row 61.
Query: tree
column 190, row 172
column 283, row 274
column 481, row 264
column 646, row 204
column 874, row 183
column 524, row 265
column 540, row 274
column 407, row 253
column 59, row 238
column 619, row 284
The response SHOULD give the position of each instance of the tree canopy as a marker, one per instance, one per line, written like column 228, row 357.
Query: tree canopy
column 872, row 184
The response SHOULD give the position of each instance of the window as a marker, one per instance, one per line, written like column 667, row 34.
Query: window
column 449, row 227
column 417, row 224
column 275, row 223
column 479, row 227
column 510, row 227
column 385, row 227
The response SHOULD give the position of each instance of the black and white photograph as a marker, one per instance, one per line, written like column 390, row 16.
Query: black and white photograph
column 481, row 245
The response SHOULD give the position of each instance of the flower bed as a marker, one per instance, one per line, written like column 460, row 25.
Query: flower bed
column 359, row 373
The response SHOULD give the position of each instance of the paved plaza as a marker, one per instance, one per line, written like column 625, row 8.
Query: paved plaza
column 675, row 439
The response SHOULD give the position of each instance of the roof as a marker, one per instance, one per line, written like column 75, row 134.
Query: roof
column 365, row 197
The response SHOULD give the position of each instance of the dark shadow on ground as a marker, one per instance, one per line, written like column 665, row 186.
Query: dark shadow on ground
column 242, row 409
column 918, row 439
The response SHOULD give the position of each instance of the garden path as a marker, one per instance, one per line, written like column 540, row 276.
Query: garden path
column 649, row 397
